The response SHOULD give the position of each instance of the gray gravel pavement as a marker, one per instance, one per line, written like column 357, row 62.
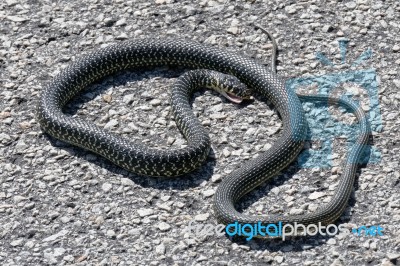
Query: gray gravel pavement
column 62, row 205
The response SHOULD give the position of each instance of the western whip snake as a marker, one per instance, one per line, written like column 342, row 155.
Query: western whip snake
column 154, row 162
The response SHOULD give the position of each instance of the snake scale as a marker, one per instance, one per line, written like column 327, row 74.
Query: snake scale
column 147, row 161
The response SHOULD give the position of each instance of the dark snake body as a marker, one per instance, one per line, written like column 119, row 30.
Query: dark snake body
column 154, row 162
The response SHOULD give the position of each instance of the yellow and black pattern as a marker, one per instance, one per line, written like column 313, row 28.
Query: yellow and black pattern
column 154, row 162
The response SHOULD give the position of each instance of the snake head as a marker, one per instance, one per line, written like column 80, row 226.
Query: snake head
column 233, row 89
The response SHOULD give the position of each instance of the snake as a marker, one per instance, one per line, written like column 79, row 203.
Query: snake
column 217, row 66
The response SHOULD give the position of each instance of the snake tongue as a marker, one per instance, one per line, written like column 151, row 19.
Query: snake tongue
column 233, row 98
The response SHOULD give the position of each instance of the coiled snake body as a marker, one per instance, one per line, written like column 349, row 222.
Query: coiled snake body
column 153, row 162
